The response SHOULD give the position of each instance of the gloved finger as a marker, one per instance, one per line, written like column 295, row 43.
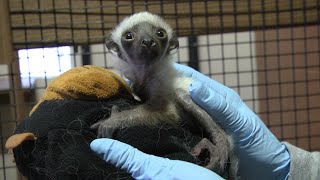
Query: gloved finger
column 201, row 78
column 190, row 72
column 184, row 70
column 227, row 109
column 210, row 100
column 113, row 151
column 255, row 145
column 145, row 166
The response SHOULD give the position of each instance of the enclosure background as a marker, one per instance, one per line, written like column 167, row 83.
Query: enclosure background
column 268, row 51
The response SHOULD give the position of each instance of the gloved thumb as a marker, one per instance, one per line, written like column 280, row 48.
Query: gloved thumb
column 144, row 166
column 210, row 100
column 119, row 154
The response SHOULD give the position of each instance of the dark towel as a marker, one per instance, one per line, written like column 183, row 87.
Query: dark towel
column 62, row 151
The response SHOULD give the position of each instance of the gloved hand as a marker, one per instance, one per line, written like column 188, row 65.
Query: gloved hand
column 260, row 153
column 145, row 166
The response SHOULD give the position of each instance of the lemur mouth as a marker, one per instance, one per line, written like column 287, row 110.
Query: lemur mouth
column 149, row 56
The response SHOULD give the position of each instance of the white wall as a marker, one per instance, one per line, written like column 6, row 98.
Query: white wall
column 6, row 160
column 230, row 59
column 11, row 172
column 4, row 78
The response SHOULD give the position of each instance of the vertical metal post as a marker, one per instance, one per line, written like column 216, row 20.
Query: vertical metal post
column 86, row 54
column 193, row 52
column 9, row 56
column 5, row 33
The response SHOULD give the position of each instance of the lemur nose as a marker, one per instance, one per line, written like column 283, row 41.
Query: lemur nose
column 148, row 42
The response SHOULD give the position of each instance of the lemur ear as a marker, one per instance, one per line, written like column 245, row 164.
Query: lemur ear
column 112, row 46
column 173, row 42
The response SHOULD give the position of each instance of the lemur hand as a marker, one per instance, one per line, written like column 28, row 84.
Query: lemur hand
column 260, row 153
column 145, row 166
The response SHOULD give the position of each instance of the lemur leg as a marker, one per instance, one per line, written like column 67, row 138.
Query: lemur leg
column 218, row 146
column 137, row 115
column 107, row 126
column 118, row 120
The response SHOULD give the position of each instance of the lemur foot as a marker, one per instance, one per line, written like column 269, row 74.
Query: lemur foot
column 217, row 143
column 107, row 127
column 214, row 162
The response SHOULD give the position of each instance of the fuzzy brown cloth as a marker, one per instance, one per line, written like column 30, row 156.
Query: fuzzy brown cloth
column 53, row 142
column 86, row 83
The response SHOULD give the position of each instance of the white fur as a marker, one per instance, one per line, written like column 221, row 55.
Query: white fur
column 182, row 82
column 137, row 18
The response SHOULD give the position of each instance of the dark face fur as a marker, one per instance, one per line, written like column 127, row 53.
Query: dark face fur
column 144, row 44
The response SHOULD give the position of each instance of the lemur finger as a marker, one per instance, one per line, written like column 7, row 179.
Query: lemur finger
column 215, row 161
column 106, row 131
column 203, row 144
column 96, row 125
column 115, row 109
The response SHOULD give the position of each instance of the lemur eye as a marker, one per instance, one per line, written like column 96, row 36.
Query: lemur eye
column 128, row 36
column 161, row 33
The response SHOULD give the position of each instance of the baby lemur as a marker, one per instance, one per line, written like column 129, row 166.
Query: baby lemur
column 143, row 46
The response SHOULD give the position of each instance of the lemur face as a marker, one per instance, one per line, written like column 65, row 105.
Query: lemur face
column 142, row 39
column 145, row 43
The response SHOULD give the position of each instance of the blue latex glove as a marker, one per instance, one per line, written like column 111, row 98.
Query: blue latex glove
column 145, row 166
column 260, row 153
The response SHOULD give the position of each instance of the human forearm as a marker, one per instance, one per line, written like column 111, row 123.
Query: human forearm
column 304, row 164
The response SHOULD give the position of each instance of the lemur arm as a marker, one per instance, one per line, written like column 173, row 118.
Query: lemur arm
column 142, row 114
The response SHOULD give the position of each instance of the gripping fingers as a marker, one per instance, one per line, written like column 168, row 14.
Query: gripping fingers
column 96, row 125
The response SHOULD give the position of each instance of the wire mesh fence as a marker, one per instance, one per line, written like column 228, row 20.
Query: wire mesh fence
column 267, row 51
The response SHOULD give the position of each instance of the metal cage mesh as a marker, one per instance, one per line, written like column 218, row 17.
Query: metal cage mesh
column 267, row 51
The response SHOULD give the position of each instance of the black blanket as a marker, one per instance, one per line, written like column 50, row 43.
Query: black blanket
column 62, row 151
